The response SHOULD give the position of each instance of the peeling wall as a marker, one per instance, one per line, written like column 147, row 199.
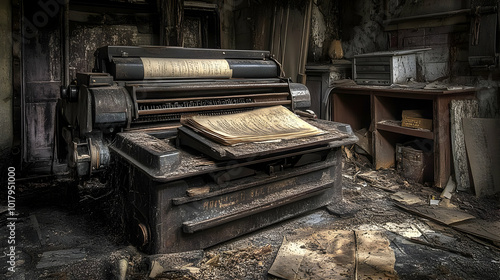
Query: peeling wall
column 362, row 29
column 85, row 39
column 5, row 76
column 358, row 24
column 318, row 34
column 227, row 22
column 325, row 27
column 489, row 101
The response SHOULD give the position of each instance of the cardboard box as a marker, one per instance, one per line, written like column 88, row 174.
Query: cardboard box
column 416, row 119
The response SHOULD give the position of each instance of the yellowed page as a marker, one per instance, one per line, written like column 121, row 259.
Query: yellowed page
column 257, row 125
column 158, row 68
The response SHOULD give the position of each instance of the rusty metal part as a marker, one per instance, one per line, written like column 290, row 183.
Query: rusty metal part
column 301, row 98
column 242, row 194
column 142, row 236
column 180, row 222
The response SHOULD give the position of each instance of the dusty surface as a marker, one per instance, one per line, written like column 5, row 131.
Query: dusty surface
column 64, row 236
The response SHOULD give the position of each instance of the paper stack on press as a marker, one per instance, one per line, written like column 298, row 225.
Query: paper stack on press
column 258, row 125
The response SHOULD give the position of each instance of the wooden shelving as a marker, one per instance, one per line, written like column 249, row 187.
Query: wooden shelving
column 393, row 127
column 379, row 110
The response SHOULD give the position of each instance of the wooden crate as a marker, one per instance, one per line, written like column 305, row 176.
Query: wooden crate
column 415, row 119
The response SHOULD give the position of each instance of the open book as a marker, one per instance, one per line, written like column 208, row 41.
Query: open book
column 271, row 123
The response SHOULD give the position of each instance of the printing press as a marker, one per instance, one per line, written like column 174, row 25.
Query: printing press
column 182, row 191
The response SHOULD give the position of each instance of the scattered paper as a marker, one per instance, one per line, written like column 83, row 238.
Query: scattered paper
column 336, row 254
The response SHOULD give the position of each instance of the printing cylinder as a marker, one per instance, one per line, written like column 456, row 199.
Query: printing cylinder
column 143, row 68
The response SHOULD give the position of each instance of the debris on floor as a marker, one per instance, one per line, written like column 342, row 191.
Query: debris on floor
column 445, row 216
column 407, row 198
column 177, row 262
column 482, row 229
column 383, row 221
column 61, row 257
column 332, row 254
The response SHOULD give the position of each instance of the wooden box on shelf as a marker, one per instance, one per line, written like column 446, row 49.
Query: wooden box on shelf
column 415, row 119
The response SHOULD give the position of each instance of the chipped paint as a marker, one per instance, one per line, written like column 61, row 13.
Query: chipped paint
column 85, row 39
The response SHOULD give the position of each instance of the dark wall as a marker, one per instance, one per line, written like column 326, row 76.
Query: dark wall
column 41, row 64
column 51, row 38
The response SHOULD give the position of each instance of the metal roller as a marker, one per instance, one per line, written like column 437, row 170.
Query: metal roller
column 139, row 68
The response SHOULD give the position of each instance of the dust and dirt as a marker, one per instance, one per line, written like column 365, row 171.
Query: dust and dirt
column 86, row 221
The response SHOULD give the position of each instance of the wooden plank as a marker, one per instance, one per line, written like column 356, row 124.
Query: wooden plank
column 480, row 228
column 441, row 215
column 427, row 134
column 440, row 247
column 482, row 141
column 449, row 189
column 460, row 109
column 442, row 150
column 407, row 198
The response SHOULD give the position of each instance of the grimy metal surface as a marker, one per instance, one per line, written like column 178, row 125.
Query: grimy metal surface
column 162, row 218
column 133, row 68
column 123, row 61
column 175, row 198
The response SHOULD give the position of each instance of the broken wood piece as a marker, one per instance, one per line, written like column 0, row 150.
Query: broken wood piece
column 214, row 261
column 482, row 140
column 263, row 250
column 391, row 189
column 440, row 247
column 480, row 228
column 161, row 263
column 348, row 153
column 495, row 246
column 445, row 216
column 406, row 198
column 450, row 187
column 371, row 178
column 460, row 109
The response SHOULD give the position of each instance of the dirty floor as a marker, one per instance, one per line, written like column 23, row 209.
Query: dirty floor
column 58, row 238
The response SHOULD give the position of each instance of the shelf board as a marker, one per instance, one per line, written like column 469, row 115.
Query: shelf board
column 393, row 126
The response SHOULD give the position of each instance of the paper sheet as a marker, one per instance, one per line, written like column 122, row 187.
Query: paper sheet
column 264, row 124
column 157, row 68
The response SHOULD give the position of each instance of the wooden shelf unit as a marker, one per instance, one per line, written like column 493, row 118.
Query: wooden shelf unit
column 379, row 109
